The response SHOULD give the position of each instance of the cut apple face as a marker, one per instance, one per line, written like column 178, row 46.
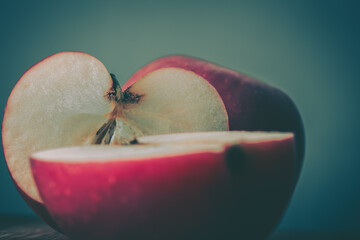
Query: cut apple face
column 70, row 99
column 220, row 138
column 160, row 146
column 184, row 185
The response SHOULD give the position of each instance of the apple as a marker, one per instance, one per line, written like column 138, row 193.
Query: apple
column 250, row 104
column 208, row 185
column 70, row 99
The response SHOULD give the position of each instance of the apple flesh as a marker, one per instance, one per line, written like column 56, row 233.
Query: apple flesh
column 250, row 104
column 214, row 185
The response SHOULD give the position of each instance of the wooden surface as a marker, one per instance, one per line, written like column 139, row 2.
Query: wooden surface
column 22, row 227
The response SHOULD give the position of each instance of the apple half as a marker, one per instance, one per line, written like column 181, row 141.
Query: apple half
column 70, row 99
column 209, row 185
column 251, row 105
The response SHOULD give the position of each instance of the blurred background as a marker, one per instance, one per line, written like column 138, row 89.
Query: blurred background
column 309, row 49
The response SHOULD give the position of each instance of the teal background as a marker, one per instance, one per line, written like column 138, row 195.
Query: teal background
column 309, row 49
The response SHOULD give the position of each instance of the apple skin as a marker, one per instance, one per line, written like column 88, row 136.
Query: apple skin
column 239, row 193
column 251, row 105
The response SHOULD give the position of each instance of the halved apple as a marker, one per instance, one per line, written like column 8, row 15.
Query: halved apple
column 71, row 99
column 213, row 185
column 251, row 105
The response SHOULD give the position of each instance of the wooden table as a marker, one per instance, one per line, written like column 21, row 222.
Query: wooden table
column 25, row 227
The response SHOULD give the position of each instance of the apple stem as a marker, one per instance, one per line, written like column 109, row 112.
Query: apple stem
column 116, row 93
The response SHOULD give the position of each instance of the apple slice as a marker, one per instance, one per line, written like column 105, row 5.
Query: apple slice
column 71, row 99
column 214, row 185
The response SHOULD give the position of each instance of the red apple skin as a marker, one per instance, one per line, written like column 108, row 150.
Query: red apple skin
column 240, row 193
column 251, row 105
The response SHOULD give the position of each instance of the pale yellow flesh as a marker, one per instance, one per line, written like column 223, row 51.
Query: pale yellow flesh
column 159, row 146
column 54, row 104
column 180, row 101
column 106, row 153
column 223, row 137
column 62, row 101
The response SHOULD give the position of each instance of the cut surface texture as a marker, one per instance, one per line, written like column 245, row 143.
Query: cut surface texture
column 178, row 101
column 70, row 99
column 105, row 153
column 53, row 105
column 232, row 137
column 159, row 146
